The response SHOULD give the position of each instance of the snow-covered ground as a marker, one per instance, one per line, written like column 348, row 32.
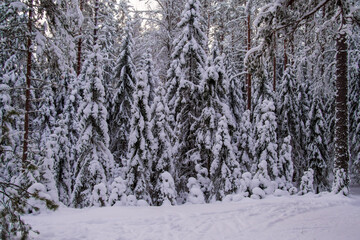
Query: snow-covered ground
column 289, row 217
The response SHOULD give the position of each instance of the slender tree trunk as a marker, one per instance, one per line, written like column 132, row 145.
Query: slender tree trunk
column 78, row 67
column 96, row 9
column 28, row 85
column 341, row 162
column 285, row 54
column 248, row 74
column 274, row 65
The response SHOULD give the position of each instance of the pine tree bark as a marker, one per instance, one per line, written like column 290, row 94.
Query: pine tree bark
column 248, row 74
column 78, row 67
column 341, row 162
column 28, row 85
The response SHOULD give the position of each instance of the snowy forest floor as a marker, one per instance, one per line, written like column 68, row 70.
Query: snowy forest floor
column 309, row 217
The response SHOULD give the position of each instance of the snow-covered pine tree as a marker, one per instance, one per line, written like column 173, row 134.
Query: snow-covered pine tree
column 138, row 169
column 316, row 148
column 225, row 169
column 184, row 94
column 124, row 81
column 95, row 162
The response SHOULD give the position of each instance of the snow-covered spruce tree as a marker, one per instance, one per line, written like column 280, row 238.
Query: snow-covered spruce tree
column 95, row 162
column 7, row 143
column 307, row 182
column 167, row 191
column 246, row 143
column 184, row 94
column 265, row 148
column 163, row 156
column 261, row 183
column 316, row 147
column 170, row 12
column 124, row 81
column 148, row 67
column 138, row 169
column 215, row 86
column 225, row 169
column 66, row 136
column 118, row 189
column 354, row 106
column 288, row 118
column 285, row 165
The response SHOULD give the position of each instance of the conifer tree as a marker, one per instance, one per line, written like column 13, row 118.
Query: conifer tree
column 139, row 166
column 124, row 81
column 163, row 153
column 183, row 96
column 285, row 165
column 246, row 143
column 225, row 170
column 316, row 148
column 95, row 162
column 266, row 143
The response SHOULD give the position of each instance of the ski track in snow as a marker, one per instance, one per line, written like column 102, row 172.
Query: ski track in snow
column 307, row 217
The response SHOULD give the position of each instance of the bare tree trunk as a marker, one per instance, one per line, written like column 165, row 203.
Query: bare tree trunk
column 285, row 54
column 96, row 9
column 248, row 74
column 28, row 85
column 274, row 65
column 78, row 67
column 341, row 162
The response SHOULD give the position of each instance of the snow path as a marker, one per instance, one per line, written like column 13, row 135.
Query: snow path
column 307, row 217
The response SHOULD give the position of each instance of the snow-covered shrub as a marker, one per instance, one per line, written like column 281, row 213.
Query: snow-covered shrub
column 118, row 196
column 307, row 184
column 258, row 193
column 279, row 193
column 131, row 200
column 38, row 202
column 99, row 197
column 293, row 190
column 167, row 189
column 142, row 203
column 195, row 196
column 262, row 180
column 202, row 175
column 245, row 184
column 341, row 182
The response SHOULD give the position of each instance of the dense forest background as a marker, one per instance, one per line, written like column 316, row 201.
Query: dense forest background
column 190, row 101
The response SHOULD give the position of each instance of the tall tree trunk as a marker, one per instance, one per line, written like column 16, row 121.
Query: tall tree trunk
column 285, row 54
column 274, row 65
column 96, row 9
column 341, row 162
column 28, row 85
column 248, row 74
column 78, row 67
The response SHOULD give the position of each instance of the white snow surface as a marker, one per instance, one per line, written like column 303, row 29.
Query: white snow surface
column 324, row 216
